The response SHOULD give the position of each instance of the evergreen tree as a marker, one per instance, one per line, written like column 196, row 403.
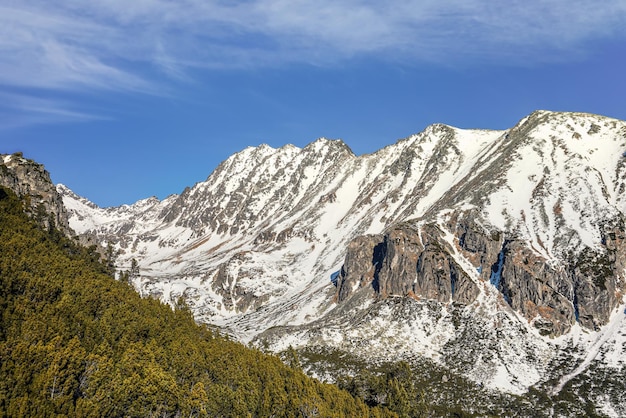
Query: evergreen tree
column 76, row 342
column 134, row 269
column 110, row 256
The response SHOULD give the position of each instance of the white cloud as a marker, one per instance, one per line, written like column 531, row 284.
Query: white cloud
column 122, row 45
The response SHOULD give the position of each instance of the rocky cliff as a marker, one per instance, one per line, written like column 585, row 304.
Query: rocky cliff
column 404, row 262
column 31, row 180
column 419, row 261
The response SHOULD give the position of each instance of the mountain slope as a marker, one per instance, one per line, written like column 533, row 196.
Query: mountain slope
column 276, row 207
column 508, row 242
column 75, row 342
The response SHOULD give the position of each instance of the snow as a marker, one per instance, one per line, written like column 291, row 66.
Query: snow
column 608, row 332
column 557, row 183
column 539, row 201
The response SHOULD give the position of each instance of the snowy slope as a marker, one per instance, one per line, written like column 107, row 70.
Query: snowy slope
column 276, row 220
column 254, row 245
column 562, row 180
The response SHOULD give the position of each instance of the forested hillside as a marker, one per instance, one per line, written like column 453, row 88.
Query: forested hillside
column 75, row 342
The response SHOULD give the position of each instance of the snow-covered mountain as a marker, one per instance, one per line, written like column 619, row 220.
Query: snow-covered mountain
column 268, row 228
column 505, row 246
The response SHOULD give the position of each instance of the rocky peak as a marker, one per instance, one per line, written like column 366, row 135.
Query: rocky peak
column 325, row 145
column 63, row 190
column 31, row 180
column 250, row 187
column 508, row 218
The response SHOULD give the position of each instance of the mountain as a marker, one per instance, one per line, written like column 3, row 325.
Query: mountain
column 270, row 224
column 498, row 256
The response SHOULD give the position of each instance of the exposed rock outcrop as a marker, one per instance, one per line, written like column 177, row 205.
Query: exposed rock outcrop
column 364, row 258
column 541, row 293
column 406, row 261
column 415, row 259
column 31, row 180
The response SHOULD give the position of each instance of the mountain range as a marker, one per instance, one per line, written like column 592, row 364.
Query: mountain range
column 496, row 256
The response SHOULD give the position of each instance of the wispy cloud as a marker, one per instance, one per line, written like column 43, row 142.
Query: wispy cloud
column 21, row 110
column 122, row 45
column 46, row 49
column 74, row 43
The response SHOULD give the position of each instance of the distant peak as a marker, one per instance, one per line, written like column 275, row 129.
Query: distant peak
column 564, row 115
column 325, row 143
column 321, row 142
column 551, row 118
column 62, row 188
column 439, row 127
column 149, row 201
column 288, row 147
column 65, row 191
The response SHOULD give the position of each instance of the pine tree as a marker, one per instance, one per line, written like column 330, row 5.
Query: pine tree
column 76, row 342
column 110, row 256
column 134, row 269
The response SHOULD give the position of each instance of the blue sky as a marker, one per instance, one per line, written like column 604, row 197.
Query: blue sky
column 122, row 100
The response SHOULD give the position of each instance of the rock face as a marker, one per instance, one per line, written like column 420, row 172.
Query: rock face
column 361, row 268
column 30, row 179
column 403, row 262
column 541, row 293
column 417, row 261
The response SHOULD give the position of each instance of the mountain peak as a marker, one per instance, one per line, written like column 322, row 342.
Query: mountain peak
column 8, row 158
column 556, row 119
column 323, row 143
